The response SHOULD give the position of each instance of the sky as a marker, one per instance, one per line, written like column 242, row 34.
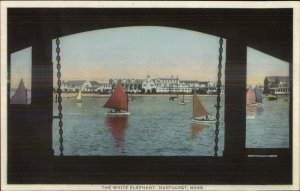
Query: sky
column 260, row 65
column 135, row 52
column 21, row 68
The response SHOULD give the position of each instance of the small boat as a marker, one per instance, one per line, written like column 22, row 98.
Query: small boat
column 173, row 98
column 258, row 97
column 20, row 96
column 200, row 115
column 117, row 102
column 254, row 97
column 182, row 102
column 78, row 98
column 272, row 98
column 250, row 96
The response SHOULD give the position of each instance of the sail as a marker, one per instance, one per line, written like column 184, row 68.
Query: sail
column 20, row 97
column 251, row 98
column 258, row 95
column 118, row 99
column 78, row 97
column 198, row 109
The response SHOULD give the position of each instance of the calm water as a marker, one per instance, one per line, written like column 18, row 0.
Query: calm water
column 159, row 127
column 270, row 128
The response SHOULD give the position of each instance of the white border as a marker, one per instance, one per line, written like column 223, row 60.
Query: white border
column 150, row 4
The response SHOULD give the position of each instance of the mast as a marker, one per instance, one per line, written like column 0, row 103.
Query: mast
column 177, row 87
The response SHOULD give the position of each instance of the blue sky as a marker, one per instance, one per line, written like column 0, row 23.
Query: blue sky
column 21, row 68
column 135, row 52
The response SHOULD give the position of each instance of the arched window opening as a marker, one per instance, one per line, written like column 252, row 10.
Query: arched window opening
column 268, row 87
column 20, row 77
column 159, row 70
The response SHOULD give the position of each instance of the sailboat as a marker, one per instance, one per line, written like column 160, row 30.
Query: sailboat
column 172, row 97
column 254, row 97
column 182, row 102
column 117, row 102
column 258, row 97
column 251, row 98
column 78, row 98
column 200, row 115
column 20, row 96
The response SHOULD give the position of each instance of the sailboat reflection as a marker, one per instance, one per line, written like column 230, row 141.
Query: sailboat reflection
column 79, row 104
column 196, row 128
column 254, row 112
column 117, row 126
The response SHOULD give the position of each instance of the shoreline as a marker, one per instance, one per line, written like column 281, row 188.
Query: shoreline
column 73, row 95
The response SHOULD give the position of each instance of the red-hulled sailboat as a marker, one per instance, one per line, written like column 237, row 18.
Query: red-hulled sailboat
column 117, row 102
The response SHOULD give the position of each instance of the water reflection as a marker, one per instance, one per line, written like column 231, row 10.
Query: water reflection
column 117, row 126
column 79, row 105
column 196, row 129
column 254, row 112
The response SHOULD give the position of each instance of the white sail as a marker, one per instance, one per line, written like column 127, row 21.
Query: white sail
column 78, row 97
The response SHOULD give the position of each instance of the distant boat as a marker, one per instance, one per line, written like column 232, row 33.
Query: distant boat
column 173, row 98
column 254, row 97
column 200, row 115
column 117, row 102
column 20, row 96
column 182, row 102
column 272, row 98
column 258, row 97
column 250, row 96
column 78, row 98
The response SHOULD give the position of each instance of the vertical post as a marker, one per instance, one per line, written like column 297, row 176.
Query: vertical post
column 8, row 78
column 235, row 98
column 42, row 95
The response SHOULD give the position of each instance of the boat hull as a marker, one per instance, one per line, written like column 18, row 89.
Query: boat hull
column 250, row 117
column 256, row 105
column 117, row 113
column 203, row 120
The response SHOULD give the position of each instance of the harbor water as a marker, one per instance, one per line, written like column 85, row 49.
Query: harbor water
column 158, row 127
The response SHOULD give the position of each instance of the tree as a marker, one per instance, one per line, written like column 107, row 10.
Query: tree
column 153, row 90
column 148, row 91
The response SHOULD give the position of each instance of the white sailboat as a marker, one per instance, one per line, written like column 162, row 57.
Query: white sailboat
column 78, row 98
column 182, row 102
column 200, row 115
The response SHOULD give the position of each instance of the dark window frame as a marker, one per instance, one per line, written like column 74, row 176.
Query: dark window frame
column 22, row 157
